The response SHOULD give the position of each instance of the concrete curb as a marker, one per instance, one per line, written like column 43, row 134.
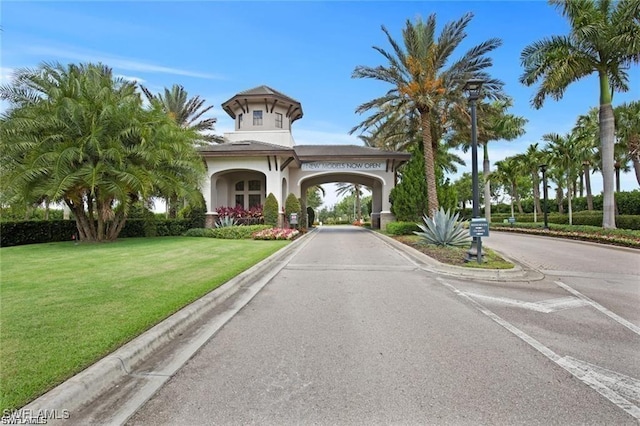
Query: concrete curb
column 520, row 272
column 97, row 379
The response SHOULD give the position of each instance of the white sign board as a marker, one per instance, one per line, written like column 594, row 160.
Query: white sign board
column 344, row 165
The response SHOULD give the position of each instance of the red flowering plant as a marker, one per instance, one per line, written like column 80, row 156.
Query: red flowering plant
column 253, row 216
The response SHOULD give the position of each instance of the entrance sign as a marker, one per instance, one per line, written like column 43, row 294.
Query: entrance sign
column 294, row 219
column 343, row 165
column 479, row 227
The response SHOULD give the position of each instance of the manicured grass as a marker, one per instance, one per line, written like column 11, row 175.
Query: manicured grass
column 65, row 306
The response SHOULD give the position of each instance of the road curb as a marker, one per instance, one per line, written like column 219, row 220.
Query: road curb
column 99, row 378
column 520, row 272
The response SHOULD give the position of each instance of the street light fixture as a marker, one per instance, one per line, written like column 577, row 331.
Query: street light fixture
column 543, row 169
column 473, row 87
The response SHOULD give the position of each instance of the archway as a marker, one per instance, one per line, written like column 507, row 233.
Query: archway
column 375, row 184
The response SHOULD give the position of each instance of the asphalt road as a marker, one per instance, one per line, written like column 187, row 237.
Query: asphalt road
column 351, row 331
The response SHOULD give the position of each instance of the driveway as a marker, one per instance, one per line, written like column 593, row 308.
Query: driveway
column 352, row 331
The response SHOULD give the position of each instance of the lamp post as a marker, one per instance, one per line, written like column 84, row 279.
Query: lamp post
column 543, row 169
column 472, row 88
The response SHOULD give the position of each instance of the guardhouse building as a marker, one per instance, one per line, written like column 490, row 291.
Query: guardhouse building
column 261, row 157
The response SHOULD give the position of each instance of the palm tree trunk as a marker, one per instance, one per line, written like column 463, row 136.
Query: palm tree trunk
column 486, row 170
column 616, row 166
column 607, row 140
column 358, row 203
column 536, row 192
column 587, row 183
column 636, row 168
column 569, row 200
column 582, row 183
column 559, row 198
column 429, row 163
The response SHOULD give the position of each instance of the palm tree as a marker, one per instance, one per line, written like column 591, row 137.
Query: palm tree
column 561, row 152
column 422, row 85
column 187, row 112
column 77, row 135
column 531, row 160
column 506, row 174
column 628, row 132
column 586, row 132
column 343, row 188
column 605, row 39
column 493, row 124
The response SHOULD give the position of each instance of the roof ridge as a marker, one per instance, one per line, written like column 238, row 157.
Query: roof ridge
column 268, row 89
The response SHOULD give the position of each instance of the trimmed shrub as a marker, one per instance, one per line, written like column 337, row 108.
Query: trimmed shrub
column 199, row 232
column 402, row 228
column 291, row 205
column 36, row 232
column 237, row 232
column 311, row 215
column 270, row 210
column 48, row 231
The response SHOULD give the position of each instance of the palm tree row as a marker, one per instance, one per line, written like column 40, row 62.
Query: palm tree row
column 572, row 158
column 425, row 106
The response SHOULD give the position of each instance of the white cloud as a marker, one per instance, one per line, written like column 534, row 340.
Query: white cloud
column 6, row 74
column 130, row 78
column 115, row 61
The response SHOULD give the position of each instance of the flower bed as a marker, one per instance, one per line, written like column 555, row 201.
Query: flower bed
column 624, row 238
column 276, row 234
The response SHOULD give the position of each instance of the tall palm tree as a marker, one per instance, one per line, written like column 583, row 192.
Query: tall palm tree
column 494, row 123
column 343, row 188
column 604, row 38
column 531, row 160
column 586, row 132
column 422, row 85
column 628, row 132
column 77, row 135
column 507, row 173
column 187, row 112
column 561, row 152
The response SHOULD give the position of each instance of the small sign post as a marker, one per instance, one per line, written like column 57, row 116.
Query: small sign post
column 293, row 219
column 479, row 228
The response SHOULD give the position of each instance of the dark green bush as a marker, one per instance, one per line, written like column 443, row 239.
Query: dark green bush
column 627, row 221
column 291, row 205
column 199, row 232
column 311, row 215
column 270, row 210
column 35, row 232
column 237, row 232
column 402, row 228
column 590, row 218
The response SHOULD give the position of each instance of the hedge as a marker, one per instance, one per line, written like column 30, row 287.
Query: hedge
column 402, row 228
column 48, row 231
column 227, row 232
column 591, row 218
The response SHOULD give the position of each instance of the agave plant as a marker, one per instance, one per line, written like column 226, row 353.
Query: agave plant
column 443, row 230
column 225, row 222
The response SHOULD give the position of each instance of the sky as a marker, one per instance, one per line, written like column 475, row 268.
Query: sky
column 305, row 49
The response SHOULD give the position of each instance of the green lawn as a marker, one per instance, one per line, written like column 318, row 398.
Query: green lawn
column 65, row 306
